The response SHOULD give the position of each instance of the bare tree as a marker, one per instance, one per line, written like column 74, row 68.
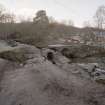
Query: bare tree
column 1, row 13
column 88, row 36
column 22, row 19
column 71, row 23
column 86, row 24
column 100, row 17
column 67, row 22
column 8, row 18
column 51, row 19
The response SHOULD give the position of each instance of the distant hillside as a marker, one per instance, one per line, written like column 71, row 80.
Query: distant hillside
column 32, row 33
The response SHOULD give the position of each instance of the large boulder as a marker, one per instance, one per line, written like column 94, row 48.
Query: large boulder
column 48, row 84
column 20, row 53
column 83, row 53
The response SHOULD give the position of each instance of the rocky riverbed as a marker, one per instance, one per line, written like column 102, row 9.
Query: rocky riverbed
column 32, row 76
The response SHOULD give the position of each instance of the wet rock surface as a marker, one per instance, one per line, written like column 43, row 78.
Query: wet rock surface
column 40, row 80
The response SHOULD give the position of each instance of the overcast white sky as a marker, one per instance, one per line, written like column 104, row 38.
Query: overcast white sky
column 76, row 10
